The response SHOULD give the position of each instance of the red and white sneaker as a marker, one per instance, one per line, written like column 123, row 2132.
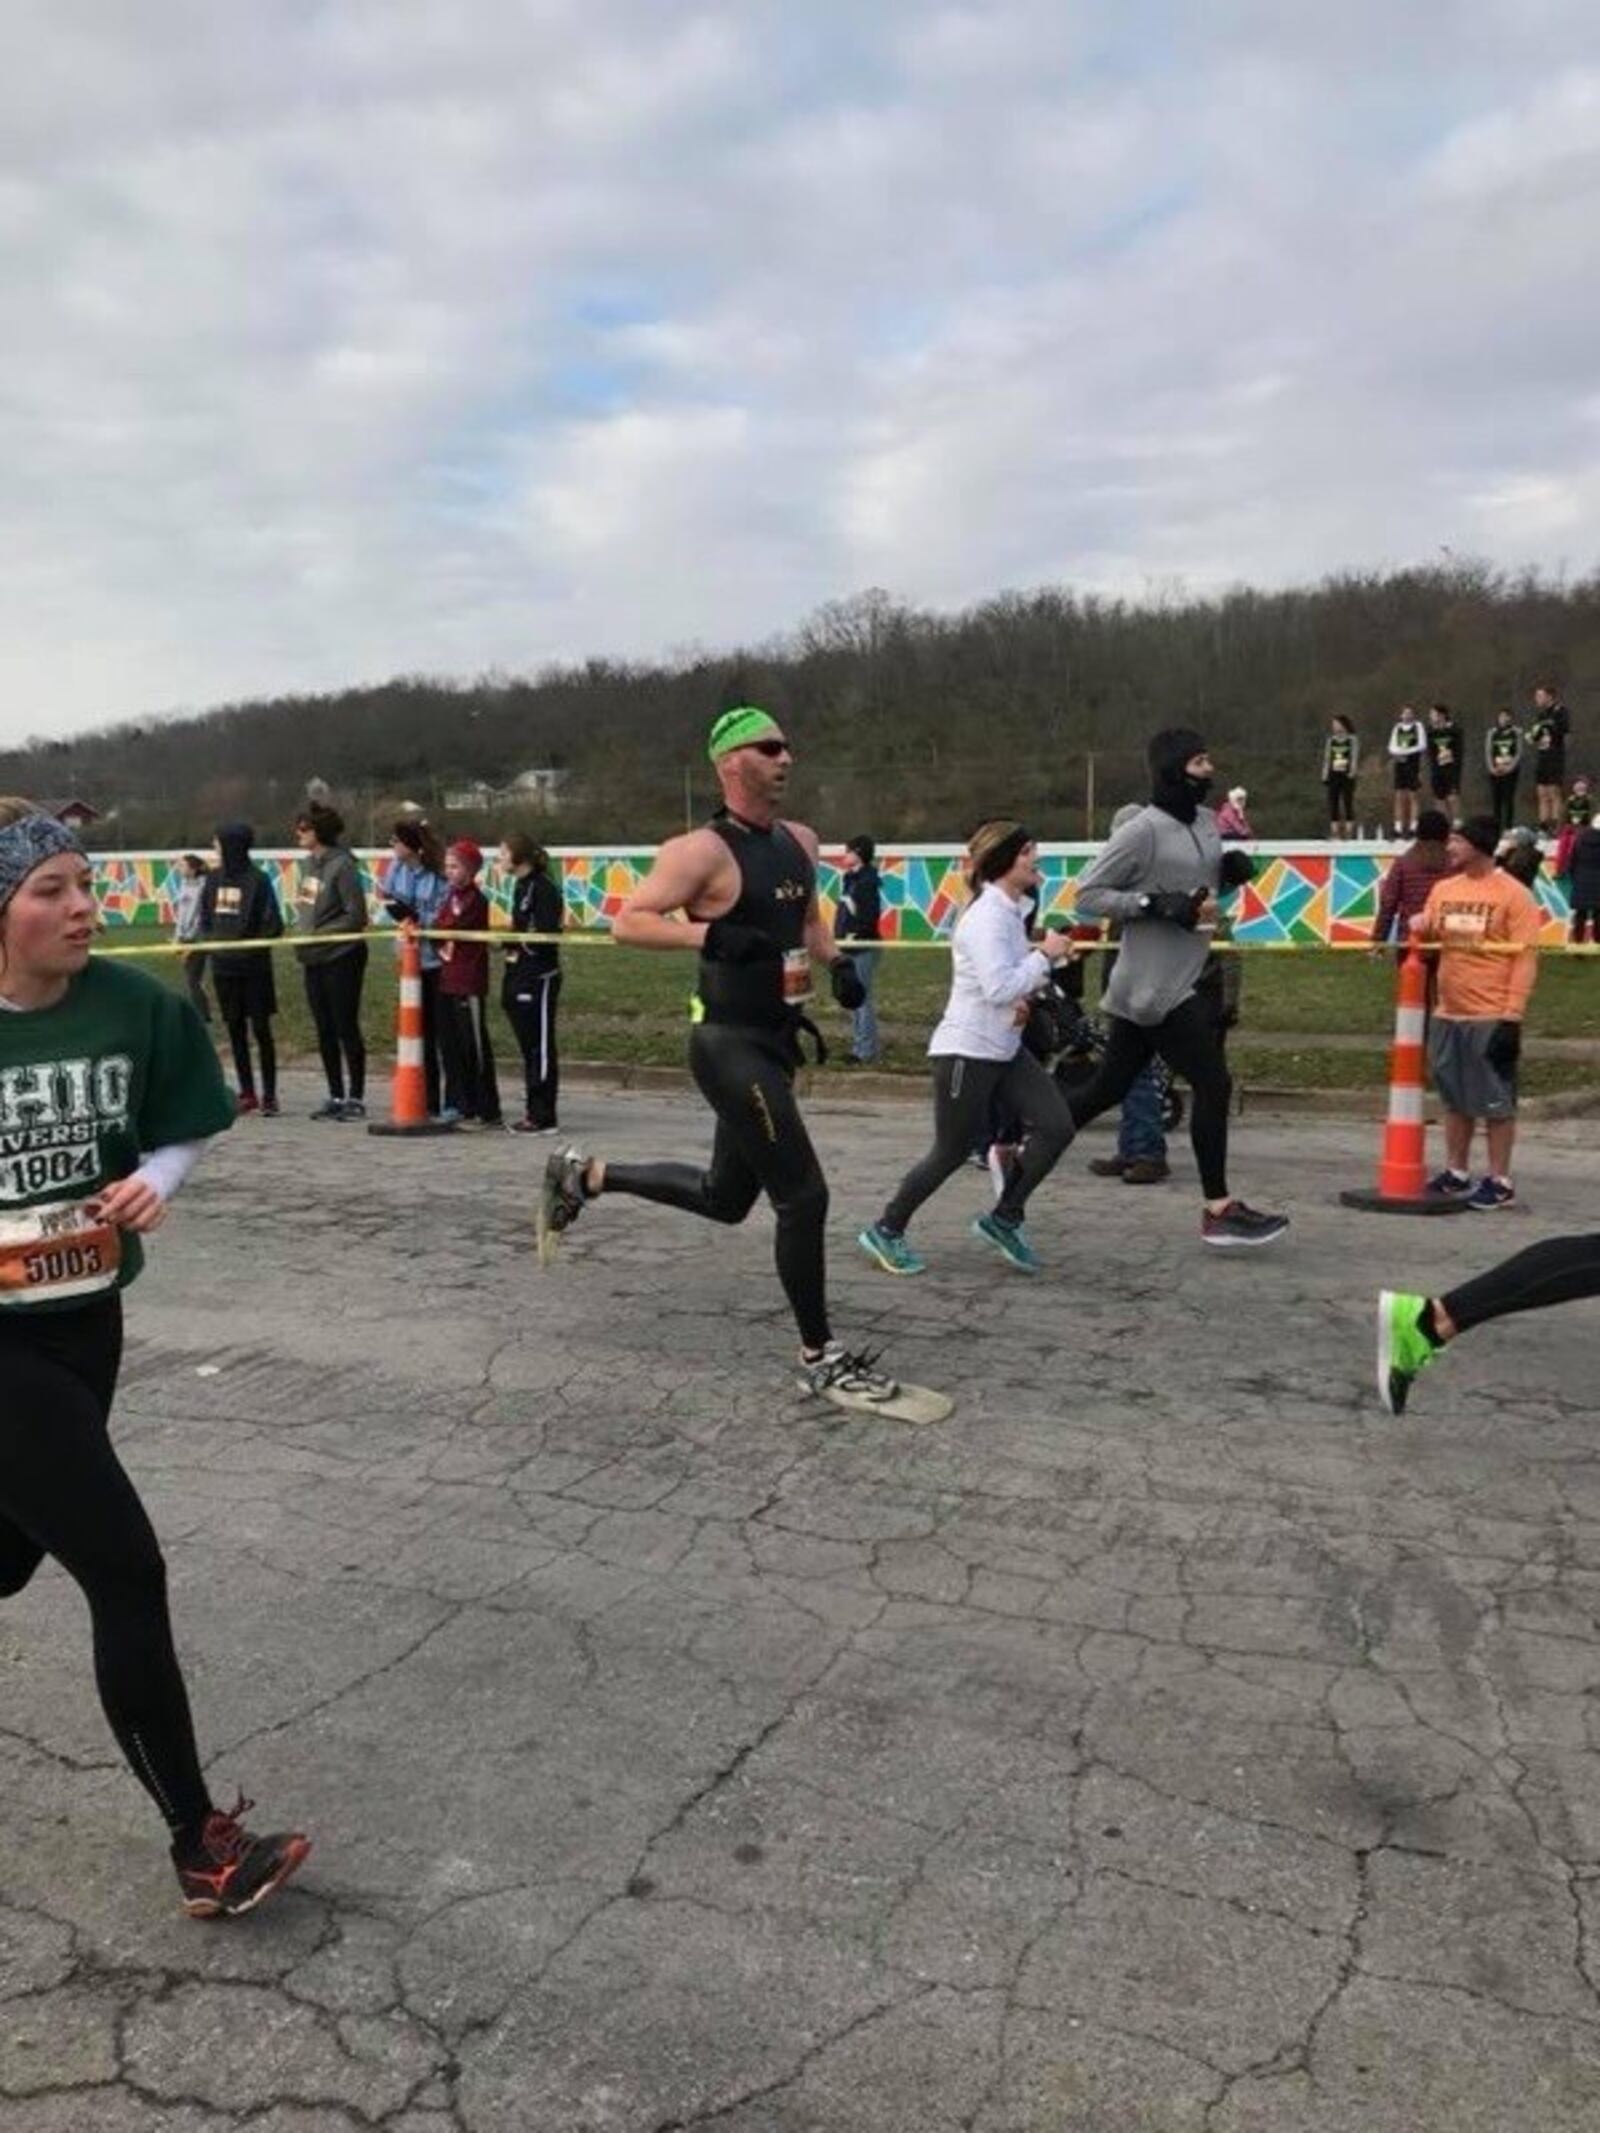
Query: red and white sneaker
column 229, row 1870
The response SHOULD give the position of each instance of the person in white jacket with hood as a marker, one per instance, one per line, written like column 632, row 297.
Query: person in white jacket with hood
column 977, row 1054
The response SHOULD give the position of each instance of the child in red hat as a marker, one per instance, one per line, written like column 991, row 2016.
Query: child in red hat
column 471, row 1089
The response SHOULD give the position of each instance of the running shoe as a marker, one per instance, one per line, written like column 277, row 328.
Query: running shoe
column 1491, row 1194
column 1002, row 1161
column 850, row 1372
column 1009, row 1241
column 562, row 1198
column 245, row 1102
column 352, row 1107
column 889, row 1251
column 1403, row 1347
column 330, row 1107
column 229, row 1869
column 1240, row 1226
column 270, row 1107
column 1450, row 1185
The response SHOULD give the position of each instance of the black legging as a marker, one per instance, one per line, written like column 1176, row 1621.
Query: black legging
column 1191, row 1042
column 1561, row 1270
column 761, row 1145
column 1503, row 793
column 966, row 1093
column 63, row 1492
column 333, row 992
column 243, row 1008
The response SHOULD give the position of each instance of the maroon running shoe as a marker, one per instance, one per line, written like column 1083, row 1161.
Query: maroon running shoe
column 228, row 1869
column 246, row 1101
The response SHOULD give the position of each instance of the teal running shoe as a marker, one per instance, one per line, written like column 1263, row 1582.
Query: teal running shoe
column 890, row 1252
column 1009, row 1241
column 1403, row 1348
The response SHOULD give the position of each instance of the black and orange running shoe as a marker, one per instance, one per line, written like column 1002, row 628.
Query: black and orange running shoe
column 228, row 1869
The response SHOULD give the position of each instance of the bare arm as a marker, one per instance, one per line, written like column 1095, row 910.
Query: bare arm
column 687, row 872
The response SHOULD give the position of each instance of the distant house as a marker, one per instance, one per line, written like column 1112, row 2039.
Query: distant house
column 76, row 814
column 529, row 788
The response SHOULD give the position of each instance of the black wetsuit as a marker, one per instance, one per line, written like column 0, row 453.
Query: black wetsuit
column 743, row 1053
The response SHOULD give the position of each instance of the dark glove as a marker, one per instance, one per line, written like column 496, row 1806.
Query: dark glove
column 727, row 942
column 1181, row 907
column 1237, row 868
column 845, row 979
column 1504, row 1048
column 398, row 911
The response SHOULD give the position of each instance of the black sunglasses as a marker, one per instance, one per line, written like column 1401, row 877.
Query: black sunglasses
column 772, row 748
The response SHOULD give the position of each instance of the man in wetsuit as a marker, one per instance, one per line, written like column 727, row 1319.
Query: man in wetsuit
column 743, row 890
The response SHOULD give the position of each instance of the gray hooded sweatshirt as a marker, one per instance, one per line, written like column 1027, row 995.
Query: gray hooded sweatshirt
column 1159, row 962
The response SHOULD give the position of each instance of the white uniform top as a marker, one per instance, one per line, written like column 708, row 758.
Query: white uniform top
column 993, row 968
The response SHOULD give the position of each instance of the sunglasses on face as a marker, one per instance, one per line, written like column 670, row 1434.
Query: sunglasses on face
column 771, row 748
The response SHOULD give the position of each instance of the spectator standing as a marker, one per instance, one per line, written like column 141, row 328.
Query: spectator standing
column 1341, row 760
column 471, row 1089
column 1410, row 880
column 857, row 918
column 1502, row 755
column 1575, row 818
column 414, row 889
column 1408, row 744
column 1232, row 821
column 1583, row 883
column 1547, row 737
column 239, row 903
column 1521, row 857
column 1444, row 757
column 332, row 901
column 1475, row 1042
column 186, row 930
column 531, row 989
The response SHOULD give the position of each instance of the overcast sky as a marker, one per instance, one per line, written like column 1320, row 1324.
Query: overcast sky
column 395, row 335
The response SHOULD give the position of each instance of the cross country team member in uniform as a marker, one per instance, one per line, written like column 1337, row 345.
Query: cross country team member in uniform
column 1158, row 876
column 109, row 1090
column 1547, row 737
column 240, row 904
column 979, row 1057
column 747, row 884
column 1412, row 1329
column 414, row 890
column 331, row 900
column 1341, row 759
column 1502, row 756
column 1444, row 757
column 472, row 1087
column 1408, row 744
column 531, row 990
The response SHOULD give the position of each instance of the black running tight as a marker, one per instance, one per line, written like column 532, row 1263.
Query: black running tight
column 964, row 1093
column 1561, row 1270
column 63, row 1492
column 761, row 1145
column 1190, row 1040
column 333, row 993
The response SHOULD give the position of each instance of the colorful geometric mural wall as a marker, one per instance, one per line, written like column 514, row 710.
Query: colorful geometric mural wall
column 1303, row 893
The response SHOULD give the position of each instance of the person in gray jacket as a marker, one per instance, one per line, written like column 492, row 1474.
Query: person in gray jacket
column 331, row 900
column 1158, row 878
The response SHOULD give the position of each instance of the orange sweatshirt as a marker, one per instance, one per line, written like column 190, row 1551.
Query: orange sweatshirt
column 1464, row 911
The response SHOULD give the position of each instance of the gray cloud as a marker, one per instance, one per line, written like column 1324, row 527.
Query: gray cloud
column 350, row 339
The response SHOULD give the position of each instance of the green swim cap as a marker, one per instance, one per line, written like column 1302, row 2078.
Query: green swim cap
column 738, row 728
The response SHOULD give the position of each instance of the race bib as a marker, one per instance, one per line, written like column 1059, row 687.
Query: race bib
column 52, row 1254
column 796, row 976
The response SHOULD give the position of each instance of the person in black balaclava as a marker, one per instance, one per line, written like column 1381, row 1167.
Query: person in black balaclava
column 240, row 904
column 1158, row 878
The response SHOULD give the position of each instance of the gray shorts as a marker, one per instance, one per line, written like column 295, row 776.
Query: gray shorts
column 1467, row 1083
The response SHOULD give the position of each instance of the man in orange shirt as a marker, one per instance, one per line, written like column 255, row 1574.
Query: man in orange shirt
column 1476, row 1037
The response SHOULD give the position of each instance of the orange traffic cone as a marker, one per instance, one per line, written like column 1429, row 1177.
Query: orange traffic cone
column 1402, row 1165
column 408, row 1101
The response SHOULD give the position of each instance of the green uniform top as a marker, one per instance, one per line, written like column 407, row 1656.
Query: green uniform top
column 119, row 1066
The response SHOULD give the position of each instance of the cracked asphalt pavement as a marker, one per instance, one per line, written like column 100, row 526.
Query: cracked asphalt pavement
column 1170, row 1743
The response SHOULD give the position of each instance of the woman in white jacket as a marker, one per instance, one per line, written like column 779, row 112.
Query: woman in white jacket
column 977, row 1055
column 1408, row 748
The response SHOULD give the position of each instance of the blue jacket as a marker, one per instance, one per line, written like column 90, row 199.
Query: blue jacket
column 408, row 883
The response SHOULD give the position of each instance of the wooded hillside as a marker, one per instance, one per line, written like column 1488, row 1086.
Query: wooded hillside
column 913, row 725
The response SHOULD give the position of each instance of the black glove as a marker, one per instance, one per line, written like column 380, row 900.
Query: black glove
column 398, row 911
column 727, row 942
column 1504, row 1048
column 1237, row 868
column 845, row 979
column 1180, row 906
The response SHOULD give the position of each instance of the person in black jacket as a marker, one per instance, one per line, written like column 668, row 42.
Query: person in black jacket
column 238, row 903
column 531, row 990
column 856, row 919
column 1584, row 883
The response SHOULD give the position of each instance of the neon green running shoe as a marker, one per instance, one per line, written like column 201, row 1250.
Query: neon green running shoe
column 1403, row 1347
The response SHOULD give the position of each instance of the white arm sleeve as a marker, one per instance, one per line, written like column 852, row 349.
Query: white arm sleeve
column 167, row 1168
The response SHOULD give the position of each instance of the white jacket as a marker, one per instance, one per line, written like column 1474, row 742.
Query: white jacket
column 992, row 969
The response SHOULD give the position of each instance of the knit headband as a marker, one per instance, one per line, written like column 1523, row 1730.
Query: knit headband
column 27, row 844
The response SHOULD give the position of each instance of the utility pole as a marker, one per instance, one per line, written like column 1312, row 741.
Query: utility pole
column 1088, row 801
